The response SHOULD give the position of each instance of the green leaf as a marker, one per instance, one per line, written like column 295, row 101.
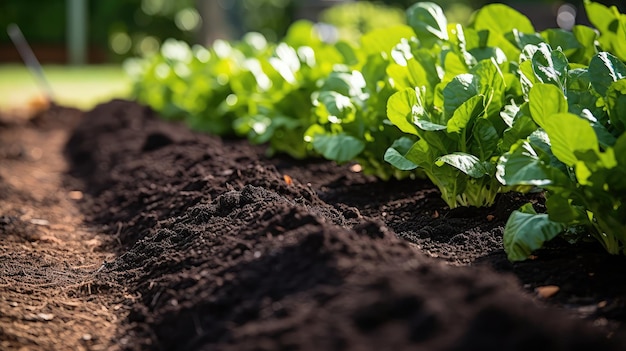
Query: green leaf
column 439, row 142
column 487, row 53
column 347, row 84
column 508, row 114
column 612, row 27
column 485, row 139
column 409, row 76
column 605, row 138
column 468, row 111
column 384, row 39
column 583, row 101
column 559, row 38
column 466, row 38
column 311, row 132
column 401, row 108
column 524, row 39
column 402, row 52
column 506, row 43
column 428, row 126
column 569, row 136
column 586, row 36
column 522, row 166
column 581, row 98
column 492, row 86
column 620, row 150
column 616, row 104
column 421, row 154
column 546, row 100
column 460, row 89
column 490, row 77
column 374, row 70
column 600, row 16
column 428, row 21
column 523, row 126
column 550, row 66
column 466, row 163
column 527, row 76
column 501, row 19
column 604, row 69
column 348, row 52
column 431, row 66
column 527, row 231
column 339, row 107
column 453, row 65
column 338, row 147
column 561, row 210
column 578, row 79
column 395, row 155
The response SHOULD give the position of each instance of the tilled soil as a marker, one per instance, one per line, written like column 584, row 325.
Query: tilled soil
column 220, row 248
column 49, row 299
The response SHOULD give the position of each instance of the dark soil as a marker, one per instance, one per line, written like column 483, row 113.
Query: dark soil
column 221, row 248
column 49, row 299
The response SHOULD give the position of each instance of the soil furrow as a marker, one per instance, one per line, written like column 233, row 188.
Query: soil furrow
column 49, row 299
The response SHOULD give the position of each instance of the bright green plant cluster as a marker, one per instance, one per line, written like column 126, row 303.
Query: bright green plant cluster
column 193, row 84
column 578, row 156
column 543, row 110
column 252, row 88
column 351, row 123
column 481, row 109
column 466, row 86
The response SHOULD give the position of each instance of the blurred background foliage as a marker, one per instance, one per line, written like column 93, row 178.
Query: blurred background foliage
column 118, row 29
column 123, row 28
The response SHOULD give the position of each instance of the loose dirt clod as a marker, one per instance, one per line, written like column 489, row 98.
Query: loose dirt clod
column 547, row 291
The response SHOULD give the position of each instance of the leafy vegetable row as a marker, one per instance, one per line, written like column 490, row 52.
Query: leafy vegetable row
column 578, row 155
column 252, row 88
column 479, row 110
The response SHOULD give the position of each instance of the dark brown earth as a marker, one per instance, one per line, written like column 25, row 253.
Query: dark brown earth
column 49, row 298
column 191, row 242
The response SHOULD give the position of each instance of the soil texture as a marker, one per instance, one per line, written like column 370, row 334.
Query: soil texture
column 174, row 240
column 49, row 299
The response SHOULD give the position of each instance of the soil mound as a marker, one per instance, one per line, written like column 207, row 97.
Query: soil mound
column 227, row 250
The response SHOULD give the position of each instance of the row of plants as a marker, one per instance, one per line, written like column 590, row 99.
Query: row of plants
column 482, row 109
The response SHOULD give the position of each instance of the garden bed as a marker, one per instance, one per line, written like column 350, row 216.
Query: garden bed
column 218, row 247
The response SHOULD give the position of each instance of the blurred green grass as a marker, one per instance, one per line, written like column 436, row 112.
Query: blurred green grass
column 82, row 87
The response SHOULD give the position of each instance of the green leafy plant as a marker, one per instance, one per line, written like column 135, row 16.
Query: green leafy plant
column 458, row 97
column 196, row 85
column 612, row 27
column 576, row 96
column 578, row 158
column 464, row 93
column 351, row 122
column 252, row 88
column 279, row 107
